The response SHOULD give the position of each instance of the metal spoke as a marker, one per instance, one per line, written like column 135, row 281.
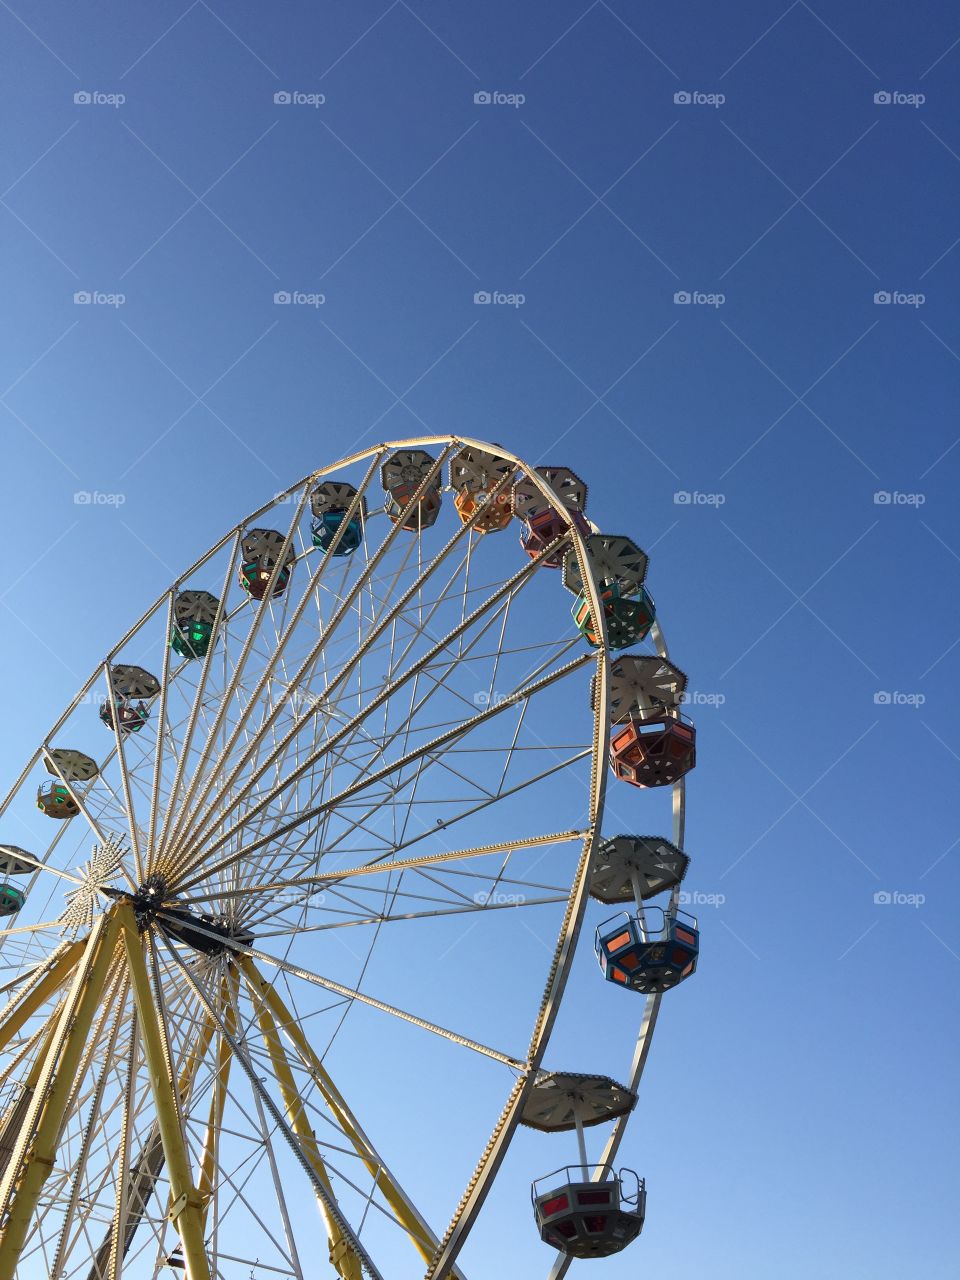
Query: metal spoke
column 350, row 993
column 435, row 745
column 400, row 864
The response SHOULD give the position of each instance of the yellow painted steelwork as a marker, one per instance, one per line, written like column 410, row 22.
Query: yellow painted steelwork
column 342, row 1255
column 19, row 1010
column 35, row 1152
column 186, row 1208
column 218, row 1096
column 271, row 1006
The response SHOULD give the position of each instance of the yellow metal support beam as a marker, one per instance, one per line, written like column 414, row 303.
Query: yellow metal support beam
column 36, row 1149
column 24, row 1007
column 11, row 1124
column 342, row 1255
column 43, row 1036
column 272, row 1006
column 186, row 1208
column 218, row 1097
column 131, row 1191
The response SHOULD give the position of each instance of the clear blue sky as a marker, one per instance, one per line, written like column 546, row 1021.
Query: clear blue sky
column 799, row 1113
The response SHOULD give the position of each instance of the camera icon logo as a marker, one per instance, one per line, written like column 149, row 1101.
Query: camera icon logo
column 883, row 898
column 882, row 298
column 682, row 498
column 282, row 98
column 82, row 98
column 882, row 498
column 482, row 98
column 682, row 298
column 482, row 298
column 682, row 98
column 281, row 298
column 882, row 98
column 82, row 298
column 881, row 698
column 82, row 498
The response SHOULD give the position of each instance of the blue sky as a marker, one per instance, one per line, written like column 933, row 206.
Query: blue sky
column 783, row 443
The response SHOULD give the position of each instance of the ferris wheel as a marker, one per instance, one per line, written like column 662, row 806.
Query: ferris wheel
column 293, row 889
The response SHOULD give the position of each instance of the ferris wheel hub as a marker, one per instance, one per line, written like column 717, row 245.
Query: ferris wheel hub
column 151, row 895
column 154, row 904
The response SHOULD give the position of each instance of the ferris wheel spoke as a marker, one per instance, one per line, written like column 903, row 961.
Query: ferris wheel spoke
column 356, row 723
column 378, row 866
column 331, row 843
column 392, row 917
column 378, row 775
column 230, row 688
column 347, row 667
column 297, row 1102
column 513, row 790
column 249, row 1214
column 208, row 665
column 124, row 773
column 454, row 899
column 208, row 1183
column 268, row 880
column 336, row 758
column 162, row 728
column 352, row 994
column 236, row 1198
